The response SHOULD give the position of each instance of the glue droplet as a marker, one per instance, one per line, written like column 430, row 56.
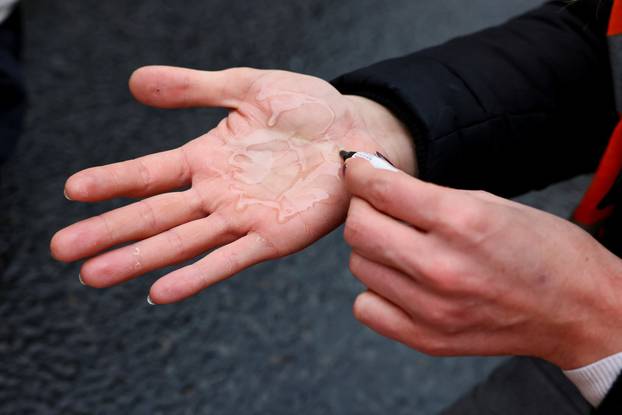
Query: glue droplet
column 286, row 180
column 272, row 120
column 282, row 169
column 136, row 254
column 280, row 102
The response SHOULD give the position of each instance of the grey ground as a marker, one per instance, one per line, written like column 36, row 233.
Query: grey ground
column 278, row 339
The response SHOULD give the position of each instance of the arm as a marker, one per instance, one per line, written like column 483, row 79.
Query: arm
column 515, row 100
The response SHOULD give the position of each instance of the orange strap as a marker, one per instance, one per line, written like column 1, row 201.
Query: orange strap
column 615, row 21
column 587, row 213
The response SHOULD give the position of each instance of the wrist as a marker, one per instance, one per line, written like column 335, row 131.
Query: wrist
column 595, row 380
column 597, row 330
column 388, row 132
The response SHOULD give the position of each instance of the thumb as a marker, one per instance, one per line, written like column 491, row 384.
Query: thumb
column 399, row 195
column 173, row 87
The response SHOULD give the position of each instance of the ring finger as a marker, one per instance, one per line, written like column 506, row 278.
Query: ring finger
column 167, row 248
column 133, row 222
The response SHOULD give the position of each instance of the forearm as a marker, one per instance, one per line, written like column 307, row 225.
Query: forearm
column 594, row 359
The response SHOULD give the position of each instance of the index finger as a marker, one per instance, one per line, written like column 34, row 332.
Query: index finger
column 140, row 177
column 397, row 194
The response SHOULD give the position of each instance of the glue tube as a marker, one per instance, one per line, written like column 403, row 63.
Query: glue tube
column 377, row 160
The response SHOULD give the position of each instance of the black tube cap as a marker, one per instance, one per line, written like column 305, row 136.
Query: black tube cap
column 346, row 154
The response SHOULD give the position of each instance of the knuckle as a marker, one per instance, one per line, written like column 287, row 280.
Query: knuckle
column 147, row 214
column 437, row 316
column 239, row 72
column 355, row 264
column 111, row 236
column 185, row 83
column 223, row 223
column 194, row 200
column 435, row 346
column 185, row 169
column 145, row 174
column 482, row 194
column 176, row 243
column 231, row 262
column 355, row 230
column 468, row 219
column 378, row 190
column 447, row 283
column 399, row 253
column 360, row 309
column 446, row 319
column 443, row 273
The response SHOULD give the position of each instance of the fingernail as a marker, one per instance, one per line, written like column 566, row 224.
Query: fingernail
column 149, row 301
column 380, row 163
column 81, row 280
column 66, row 196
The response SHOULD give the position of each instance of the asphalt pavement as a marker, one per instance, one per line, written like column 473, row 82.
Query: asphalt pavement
column 279, row 338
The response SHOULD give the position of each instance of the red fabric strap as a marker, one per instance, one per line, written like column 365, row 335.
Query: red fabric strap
column 587, row 213
column 615, row 22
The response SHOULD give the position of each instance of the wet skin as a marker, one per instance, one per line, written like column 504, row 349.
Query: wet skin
column 264, row 183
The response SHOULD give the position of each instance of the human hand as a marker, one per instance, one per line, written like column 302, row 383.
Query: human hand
column 264, row 183
column 453, row 272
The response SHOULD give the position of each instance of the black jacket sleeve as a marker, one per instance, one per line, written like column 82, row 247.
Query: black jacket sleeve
column 12, row 91
column 508, row 109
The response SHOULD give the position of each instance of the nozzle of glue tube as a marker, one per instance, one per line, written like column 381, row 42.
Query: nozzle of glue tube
column 377, row 160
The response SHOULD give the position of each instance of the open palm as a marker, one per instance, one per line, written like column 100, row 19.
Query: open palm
column 264, row 183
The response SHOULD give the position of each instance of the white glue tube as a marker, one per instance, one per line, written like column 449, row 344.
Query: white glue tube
column 377, row 160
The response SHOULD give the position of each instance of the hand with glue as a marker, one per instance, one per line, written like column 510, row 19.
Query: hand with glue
column 264, row 183
column 453, row 272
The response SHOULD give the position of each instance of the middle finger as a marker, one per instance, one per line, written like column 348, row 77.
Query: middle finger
column 167, row 248
column 384, row 239
column 137, row 221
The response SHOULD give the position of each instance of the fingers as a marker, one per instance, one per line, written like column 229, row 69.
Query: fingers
column 215, row 267
column 426, row 258
column 424, row 306
column 389, row 320
column 171, row 87
column 173, row 246
column 384, row 317
column 400, row 195
column 136, row 221
column 384, row 239
column 391, row 284
column 139, row 177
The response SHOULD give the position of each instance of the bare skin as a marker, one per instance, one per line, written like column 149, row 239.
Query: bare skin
column 264, row 183
column 453, row 272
